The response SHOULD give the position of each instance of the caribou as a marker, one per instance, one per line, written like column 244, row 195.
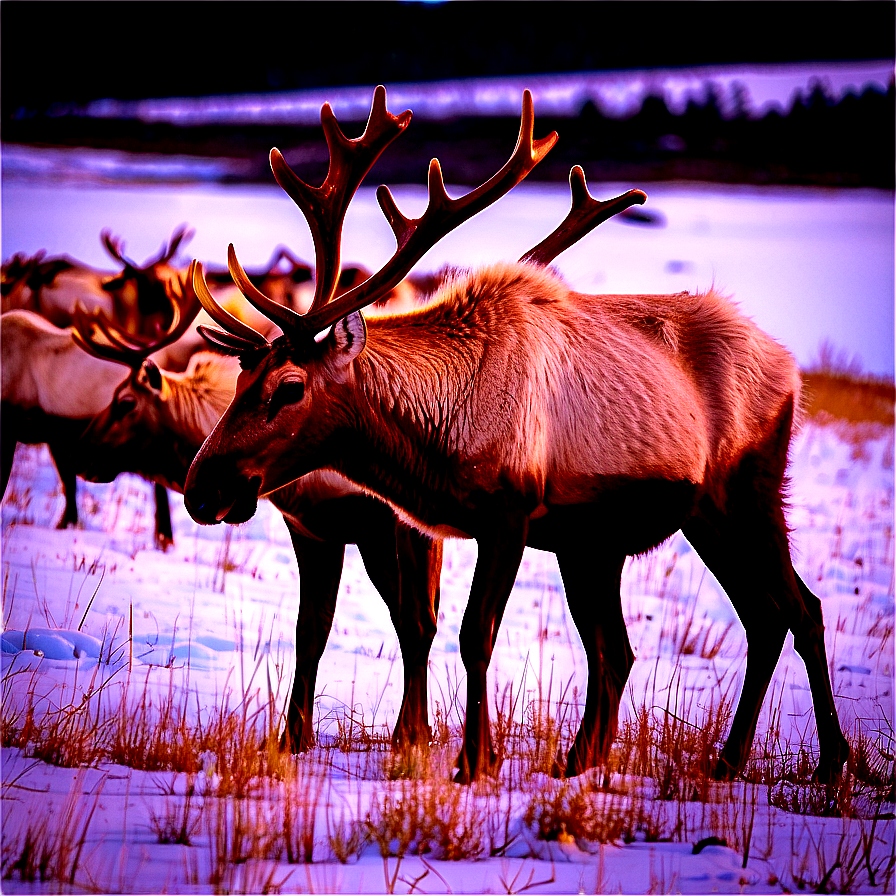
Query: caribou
column 157, row 421
column 136, row 296
column 51, row 389
column 515, row 411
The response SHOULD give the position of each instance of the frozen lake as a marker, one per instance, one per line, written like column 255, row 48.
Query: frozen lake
column 808, row 265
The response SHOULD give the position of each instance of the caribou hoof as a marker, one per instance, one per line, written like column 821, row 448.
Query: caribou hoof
column 467, row 775
column 290, row 745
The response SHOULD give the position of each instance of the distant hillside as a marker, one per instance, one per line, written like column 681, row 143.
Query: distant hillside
column 819, row 141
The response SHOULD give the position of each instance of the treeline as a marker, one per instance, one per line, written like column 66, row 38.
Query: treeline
column 849, row 142
column 817, row 141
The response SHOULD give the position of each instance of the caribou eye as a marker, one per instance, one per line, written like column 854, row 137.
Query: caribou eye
column 291, row 392
column 123, row 407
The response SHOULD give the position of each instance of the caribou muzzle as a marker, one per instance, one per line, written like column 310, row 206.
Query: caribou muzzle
column 220, row 499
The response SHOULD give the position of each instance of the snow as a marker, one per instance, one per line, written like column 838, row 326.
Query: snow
column 71, row 597
column 96, row 617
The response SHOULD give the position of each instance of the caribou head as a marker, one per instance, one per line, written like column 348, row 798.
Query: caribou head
column 108, row 446
column 140, row 292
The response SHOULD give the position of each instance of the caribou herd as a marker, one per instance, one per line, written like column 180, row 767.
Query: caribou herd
column 392, row 412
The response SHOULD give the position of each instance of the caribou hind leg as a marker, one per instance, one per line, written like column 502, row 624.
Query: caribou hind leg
column 405, row 566
column 748, row 587
column 808, row 638
column 745, row 544
column 609, row 654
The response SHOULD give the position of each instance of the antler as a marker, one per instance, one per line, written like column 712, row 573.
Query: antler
column 586, row 213
column 184, row 233
column 413, row 236
column 115, row 247
column 325, row 206
column 128, row 348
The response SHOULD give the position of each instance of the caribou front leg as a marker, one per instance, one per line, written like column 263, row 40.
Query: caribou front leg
column 320, row 570
column 404, row 566
column 500, row 553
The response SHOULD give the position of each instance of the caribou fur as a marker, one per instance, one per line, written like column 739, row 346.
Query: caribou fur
column 516, row 411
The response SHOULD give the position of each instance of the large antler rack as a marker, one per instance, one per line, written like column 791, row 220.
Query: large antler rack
column 98, row 334
column 586, row 213
column 413, row 236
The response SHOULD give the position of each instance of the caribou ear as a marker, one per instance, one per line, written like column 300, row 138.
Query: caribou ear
column 344, row 342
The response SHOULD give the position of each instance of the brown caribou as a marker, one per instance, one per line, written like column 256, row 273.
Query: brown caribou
column 515, row 411
column 157, row 421
column 51, row 389
column 135, row 296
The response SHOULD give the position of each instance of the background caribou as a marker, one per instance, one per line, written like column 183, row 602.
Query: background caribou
column 136, row 296
column 157, row 421
column 515, row 411
column 51, row 388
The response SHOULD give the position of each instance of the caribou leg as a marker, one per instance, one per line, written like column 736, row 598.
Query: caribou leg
column 320, row 569
column 164, row 532
column 404, row 566
column 609, row 654
column 8, row 444
column 752, row 598
column 500, row 553
column 61, row 453
column 745, row 545
column 808, row 639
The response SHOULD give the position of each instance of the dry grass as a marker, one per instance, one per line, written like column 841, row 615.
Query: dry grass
column 837, row 391
column 251, row 813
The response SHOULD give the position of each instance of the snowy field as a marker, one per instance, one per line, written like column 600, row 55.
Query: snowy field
column 98, row 625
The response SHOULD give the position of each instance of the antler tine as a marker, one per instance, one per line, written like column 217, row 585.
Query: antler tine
column 586, row 213
column 414, row 237
column 235, row 328
column 183, row 233
column 86, row 325
column 284, row 317
column 186, row 306
column 115, row 247
column 325, row 206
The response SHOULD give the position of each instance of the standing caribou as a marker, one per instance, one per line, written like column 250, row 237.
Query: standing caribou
column 516, row 411
column 136, row 296
column 50, row 391
column 155, row 424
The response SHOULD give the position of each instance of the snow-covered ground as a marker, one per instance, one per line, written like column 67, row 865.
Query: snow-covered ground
column 98, row 612
column 213, row 620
